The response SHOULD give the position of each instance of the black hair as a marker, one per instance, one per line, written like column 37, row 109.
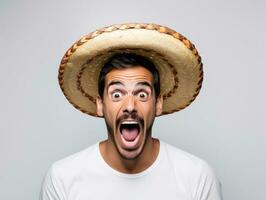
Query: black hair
column 127, row 60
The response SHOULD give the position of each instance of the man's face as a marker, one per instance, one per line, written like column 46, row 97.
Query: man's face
column 129, row 107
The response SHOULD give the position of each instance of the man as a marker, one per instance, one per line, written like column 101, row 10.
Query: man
column 128, row 74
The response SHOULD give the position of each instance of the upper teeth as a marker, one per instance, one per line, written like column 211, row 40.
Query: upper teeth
column 129, row 122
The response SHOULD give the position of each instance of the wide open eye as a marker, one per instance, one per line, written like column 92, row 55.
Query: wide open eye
column 116, row 96
column 143, row 96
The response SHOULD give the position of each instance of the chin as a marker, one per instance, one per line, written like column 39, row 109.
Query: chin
column 130, row 154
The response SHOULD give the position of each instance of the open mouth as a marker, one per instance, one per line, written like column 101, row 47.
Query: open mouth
column 129, row 130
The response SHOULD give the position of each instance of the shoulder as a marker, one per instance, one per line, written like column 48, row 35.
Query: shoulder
column 196, row 173
column 62, row 173
column 68, row 169
column 76, row 162
column 184, row 159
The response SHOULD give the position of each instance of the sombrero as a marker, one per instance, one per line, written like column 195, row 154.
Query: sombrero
column 175, row 57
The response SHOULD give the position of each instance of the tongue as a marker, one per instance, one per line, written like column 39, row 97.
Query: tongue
column 130, row 134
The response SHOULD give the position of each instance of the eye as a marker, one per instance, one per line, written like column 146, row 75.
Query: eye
column 116, row 95
column 143, row 95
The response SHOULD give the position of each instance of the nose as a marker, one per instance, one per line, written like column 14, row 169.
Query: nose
column 129, row 105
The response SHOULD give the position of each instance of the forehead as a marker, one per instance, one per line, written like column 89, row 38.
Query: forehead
column 133, row 74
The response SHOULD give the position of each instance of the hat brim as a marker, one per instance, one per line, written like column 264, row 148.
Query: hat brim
column 175, row 57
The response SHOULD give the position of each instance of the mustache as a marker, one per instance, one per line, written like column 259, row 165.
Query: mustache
column 132, row 115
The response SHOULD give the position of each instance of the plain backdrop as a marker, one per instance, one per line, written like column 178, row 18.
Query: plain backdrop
column 225, row 125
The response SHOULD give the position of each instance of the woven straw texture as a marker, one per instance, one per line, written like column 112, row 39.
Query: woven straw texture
column 175, row 57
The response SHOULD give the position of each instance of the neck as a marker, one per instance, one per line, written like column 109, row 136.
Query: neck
column 143, row 161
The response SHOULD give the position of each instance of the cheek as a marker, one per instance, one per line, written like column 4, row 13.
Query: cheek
column 147, row 111
column 111, row 111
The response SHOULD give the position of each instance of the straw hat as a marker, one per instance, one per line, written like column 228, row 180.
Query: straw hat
column 174, row 56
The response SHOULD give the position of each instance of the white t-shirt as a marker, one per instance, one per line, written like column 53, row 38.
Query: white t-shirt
column 175, row 174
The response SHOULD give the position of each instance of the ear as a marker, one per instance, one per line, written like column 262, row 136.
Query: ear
column 99, row 106
column 159, row 105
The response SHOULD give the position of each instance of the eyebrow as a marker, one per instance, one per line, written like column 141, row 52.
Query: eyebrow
column 115, row 83
column 144, row 83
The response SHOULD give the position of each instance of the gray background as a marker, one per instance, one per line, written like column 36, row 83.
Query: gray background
column 225, row 125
